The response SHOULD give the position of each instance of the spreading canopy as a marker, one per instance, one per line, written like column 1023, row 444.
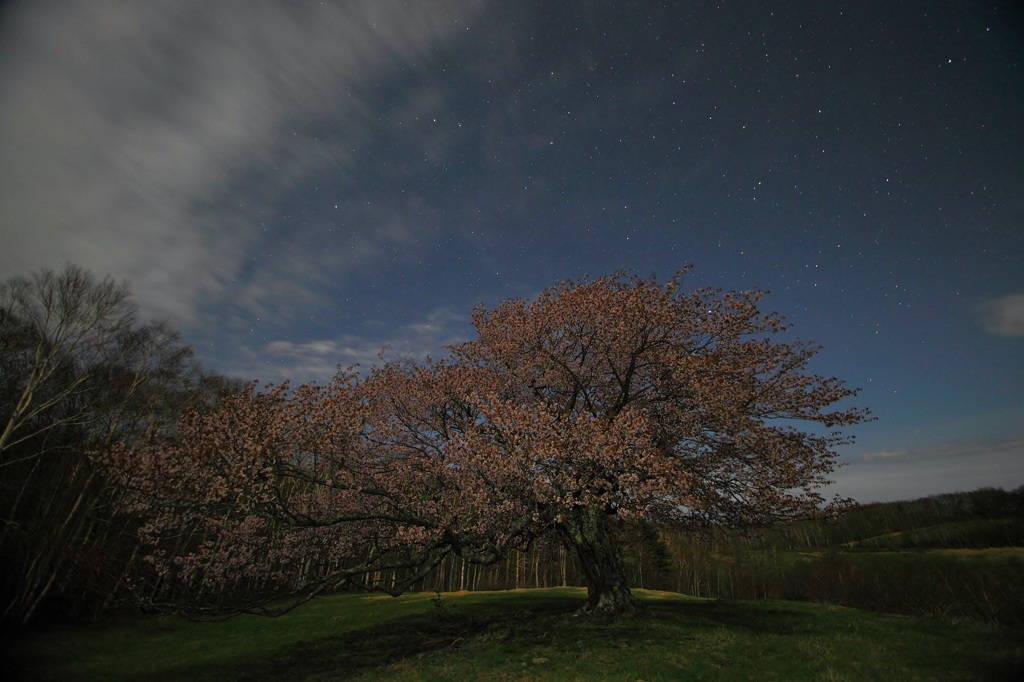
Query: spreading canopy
column 673, row 404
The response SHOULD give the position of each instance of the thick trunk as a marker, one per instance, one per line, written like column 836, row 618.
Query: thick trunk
column 608, row 590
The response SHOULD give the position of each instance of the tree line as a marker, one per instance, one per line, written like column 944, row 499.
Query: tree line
column 78, row 371
column 901, row 557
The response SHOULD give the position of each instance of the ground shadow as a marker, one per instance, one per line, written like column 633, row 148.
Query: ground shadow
column 348, row 654
column 734, row 615
column 522, row 621
column 519, row 620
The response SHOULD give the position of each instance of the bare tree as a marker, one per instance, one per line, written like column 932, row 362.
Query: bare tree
column 76, row 372
column 57, row 333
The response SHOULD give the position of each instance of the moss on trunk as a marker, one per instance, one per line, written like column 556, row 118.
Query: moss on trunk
column 588, row 531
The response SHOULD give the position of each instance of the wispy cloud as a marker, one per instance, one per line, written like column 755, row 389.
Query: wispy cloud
column 319, row 360
column 1008, row 445
column 948, row 466
column 1004, row 316
column 132, row 134
column 909, row 480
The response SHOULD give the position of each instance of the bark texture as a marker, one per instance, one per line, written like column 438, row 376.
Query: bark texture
column 589, row 532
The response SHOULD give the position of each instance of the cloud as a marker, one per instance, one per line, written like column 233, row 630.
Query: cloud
column 1004, row 316
column 1007, row 445
column 949, row 466
column 135, row 134
column 319, row 360
column 906, row 480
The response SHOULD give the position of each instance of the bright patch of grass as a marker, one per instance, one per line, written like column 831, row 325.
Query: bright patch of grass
column 988, row 554
column 531, row 635
column 974, row 533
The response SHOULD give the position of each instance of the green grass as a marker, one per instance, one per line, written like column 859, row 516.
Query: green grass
column 974, row 533
column 994, row 557
column 988, row 555
column 530, row 635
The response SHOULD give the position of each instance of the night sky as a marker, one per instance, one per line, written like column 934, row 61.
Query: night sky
column 296, row 185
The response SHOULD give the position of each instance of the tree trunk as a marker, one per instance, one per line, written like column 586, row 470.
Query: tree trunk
column 563, row 556
column 589, row 532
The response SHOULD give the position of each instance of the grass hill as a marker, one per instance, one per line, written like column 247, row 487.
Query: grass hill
column 938, row 586
column 530, row 635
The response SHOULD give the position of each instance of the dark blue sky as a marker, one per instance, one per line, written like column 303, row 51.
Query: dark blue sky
column 296, row 185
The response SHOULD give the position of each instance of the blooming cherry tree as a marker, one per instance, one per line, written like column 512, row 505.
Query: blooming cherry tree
column 623, row 397
column 614, row 398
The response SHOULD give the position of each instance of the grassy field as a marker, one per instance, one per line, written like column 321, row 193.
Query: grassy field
column 529, row 635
